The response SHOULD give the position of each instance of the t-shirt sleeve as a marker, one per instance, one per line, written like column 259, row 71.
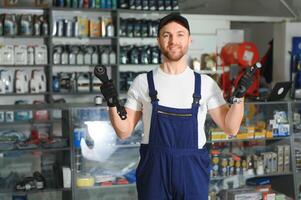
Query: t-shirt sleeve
column 133, row 95
column 215, row 98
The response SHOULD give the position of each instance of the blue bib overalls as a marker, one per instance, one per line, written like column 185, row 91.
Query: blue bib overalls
column 171, row 166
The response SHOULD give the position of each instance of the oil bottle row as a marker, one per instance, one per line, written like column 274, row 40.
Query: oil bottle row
column 25, row 25
column 83, row 55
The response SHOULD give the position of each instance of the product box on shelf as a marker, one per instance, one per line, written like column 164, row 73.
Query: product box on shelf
column 274, row 162
column 243, row 194
column 283, row 130
column 280, row 157
column 286, row 160
column 260, row 133
column 7, row 55
column 9, row 116
column 6, row 81
column 268, row 196
column 20, row 55
column 83, row 26
column 218, row 134
column 95, row 28
column 2, row 116
column 37, row 81
column 41, row 55
column 21, row 81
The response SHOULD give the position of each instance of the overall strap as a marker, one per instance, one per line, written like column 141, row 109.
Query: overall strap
column 197, row 89
column 151, row 87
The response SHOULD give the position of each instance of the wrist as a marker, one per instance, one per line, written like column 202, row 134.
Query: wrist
column 112, row 101
column 111, row 104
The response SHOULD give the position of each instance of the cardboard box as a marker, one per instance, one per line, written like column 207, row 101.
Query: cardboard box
column 217, row 134
column 41, row 55
column 7, row 56
column 20, row 55
column 280, row 157
column 244, row 194
column 268, row 196
column 260, row 134
column 273, row 162
column 242, row 136
column 269, row 134
column 286, row 158
column 83, row 26
column 95, row 28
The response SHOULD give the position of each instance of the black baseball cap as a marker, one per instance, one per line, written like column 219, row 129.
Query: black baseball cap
column 173, row 17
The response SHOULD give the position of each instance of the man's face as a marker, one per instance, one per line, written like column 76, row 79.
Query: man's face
column 174, row 40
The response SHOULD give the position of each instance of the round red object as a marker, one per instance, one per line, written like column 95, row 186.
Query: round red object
column 244, row 54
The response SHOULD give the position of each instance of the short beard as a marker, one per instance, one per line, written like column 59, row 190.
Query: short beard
column 169, row 57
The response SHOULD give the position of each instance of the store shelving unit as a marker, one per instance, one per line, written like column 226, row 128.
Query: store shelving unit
column 19, row 161
column 69, row 121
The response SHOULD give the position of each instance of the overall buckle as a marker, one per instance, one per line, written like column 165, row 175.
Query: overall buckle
column 153, row 96
column 196, row 99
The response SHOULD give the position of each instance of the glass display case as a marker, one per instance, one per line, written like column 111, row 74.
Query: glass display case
column 259, row 153
column 34, row 148
column 104, row 165
column 72, row 152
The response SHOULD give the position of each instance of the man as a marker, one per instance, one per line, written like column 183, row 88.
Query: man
column 174, row 101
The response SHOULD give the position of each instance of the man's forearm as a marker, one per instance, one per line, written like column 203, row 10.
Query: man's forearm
column 122, row 127
column 234, row 117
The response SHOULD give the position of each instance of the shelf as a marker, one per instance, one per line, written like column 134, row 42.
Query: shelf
column 32, row 107
column 250, row 101
column 33, row 7
column 3, row 124
column 22, row 10
column 60, row 106
column 141, row 37
column 123, row 41
column 137, row 67
column 82, row 40
column 210, row 72
column 249, row 140
column 220, row 178
column 25, row 66
column 154, row 12
column 107, row 187
column 297, row 136
column 34, row 150
column 77, row 68
column 24, row 94
column 7, row 191
column 77, row 93
column 67, row 9
column 125, row 145
column 23, row 37
column 69, row 65
column 76, row 105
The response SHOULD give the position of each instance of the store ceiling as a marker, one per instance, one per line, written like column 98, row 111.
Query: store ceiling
column 243, row 7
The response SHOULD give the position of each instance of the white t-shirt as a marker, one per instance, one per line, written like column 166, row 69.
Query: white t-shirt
column 174, row 91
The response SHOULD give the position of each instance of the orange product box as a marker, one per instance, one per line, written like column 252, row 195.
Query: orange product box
column 269, row 134
column 95, row 28
column 242, row 135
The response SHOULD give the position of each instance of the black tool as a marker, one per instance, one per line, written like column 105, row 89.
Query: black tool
column 250, row 71
column 101, row 73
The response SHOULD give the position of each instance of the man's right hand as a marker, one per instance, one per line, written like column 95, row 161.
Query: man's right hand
column 109, row 93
